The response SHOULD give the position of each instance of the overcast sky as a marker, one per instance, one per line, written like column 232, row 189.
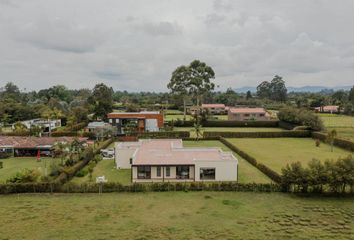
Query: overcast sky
column 135, row 44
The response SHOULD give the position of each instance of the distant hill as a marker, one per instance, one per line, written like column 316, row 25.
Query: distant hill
column 299, row 89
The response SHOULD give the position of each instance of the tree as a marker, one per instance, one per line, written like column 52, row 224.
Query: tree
column 278, row 89
column 248, row 95
column 102, row 101
column 331, row 135
column 264, row 90
column 194, row 79
column 351, row 95
column 11, row 91
column 52, row 114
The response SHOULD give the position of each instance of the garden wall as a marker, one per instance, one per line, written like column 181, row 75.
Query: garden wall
column 293, row 134
column 342, row 143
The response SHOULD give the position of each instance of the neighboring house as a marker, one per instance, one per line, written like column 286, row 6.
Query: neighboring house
column 100, row 129
column 214, row 108
column 43, row 123
column 328, row 109
column 164, row 160
column 136, row 121
column 242, row 114
column 29, row 146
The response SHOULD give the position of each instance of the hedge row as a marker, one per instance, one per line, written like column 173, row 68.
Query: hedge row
column 339, row 142
column 65, row 134
column 169, row 134
column 294, row 134
column 45, row 187
column 21, row 134
column 263, row 168
column 70, row 172
column 286, row 125
column 228, row 123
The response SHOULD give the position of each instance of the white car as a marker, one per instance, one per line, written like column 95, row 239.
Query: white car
column 108, row 153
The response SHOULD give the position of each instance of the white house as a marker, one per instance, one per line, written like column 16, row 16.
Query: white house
column 163, row 160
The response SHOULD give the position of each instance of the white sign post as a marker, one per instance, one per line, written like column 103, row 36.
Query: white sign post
column 100, row 180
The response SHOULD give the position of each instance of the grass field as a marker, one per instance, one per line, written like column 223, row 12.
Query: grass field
column 189, row 117
column 277, row 152
column 13, row 165
column 247, row 173
column 344, row 125
column 175, row 215
column 107, row 168
column 228, row 129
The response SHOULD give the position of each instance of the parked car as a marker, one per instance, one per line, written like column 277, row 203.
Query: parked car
column 107, row 153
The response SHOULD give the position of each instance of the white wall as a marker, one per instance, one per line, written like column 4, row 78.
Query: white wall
column 224, row 170
column 123, row 156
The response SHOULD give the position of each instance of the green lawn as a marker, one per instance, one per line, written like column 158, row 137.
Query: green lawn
column 175, row 215
column 277, row 152
column 189, row 117
column 13, row 165
column 247, row 173
column 107, row 168
column 228, row 129
column 344, row 125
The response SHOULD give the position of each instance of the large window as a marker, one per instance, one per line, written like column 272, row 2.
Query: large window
column 168, row 171
column 144, row 172
column 158, row 171
column 182, row 172
column 207, row 173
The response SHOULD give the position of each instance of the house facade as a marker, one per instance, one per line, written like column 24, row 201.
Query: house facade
column 214, row 108
column 328, row 109
column 166, row 160
column 43, row 123
column 136, row 121
column 246, row 114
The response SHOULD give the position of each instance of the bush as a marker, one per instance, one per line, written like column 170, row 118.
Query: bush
column 82, row 173
column 301, row 117
column 4, row 155
column 24, row 176
column 173, row 134
column 257, row 134
column 1, row 164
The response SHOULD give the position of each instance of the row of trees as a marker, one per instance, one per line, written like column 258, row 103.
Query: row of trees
column 329, row 176
column 301, row 116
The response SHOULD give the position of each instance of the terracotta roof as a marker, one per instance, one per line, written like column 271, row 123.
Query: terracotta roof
column 172, row 152
column 328, row 108
column 33, row 142
column 213, row 105
column 247, row 110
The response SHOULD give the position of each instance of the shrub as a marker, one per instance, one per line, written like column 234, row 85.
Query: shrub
column 4, row 155
column 24, row 176
column 82, row 173
column 257, row 134
column 301, row 117
column 1, row 164
column 317, row 142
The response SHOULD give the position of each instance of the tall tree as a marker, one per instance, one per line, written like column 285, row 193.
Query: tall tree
column 351, row 95
column 194, row 79
column 264, row 90
column 278, row 89
column 102, row 100
column 331, row 135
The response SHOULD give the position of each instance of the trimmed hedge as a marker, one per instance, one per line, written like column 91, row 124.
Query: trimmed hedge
column 294, row 134
column 169, row 134
column 51, row 187
column 21, row 134
column 67, row 174
column 228, row 123
column 287, row 125
column 261, row 167
column 339, row 142
column 64, row 134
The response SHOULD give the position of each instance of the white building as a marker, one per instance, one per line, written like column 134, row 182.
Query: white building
column 163, row 160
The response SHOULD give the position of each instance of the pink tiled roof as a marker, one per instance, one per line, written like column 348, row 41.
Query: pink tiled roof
column 329, row 108
column 213, row 105
column 33, row 142
column 172, row 152
column 247, row 110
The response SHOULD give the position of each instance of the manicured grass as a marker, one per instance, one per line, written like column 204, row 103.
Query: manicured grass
column 228, row 129
column 175, row 215
column 277, row 152
column 344, row 125
column 13, row 165
column 189, row 117
column 246, row 172
column 107, row 168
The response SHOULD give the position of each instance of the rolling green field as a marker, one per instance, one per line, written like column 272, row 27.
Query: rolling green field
column 13, row 165
column 175, row 215
column 277, row 152
column 247, row 173
column 228, row 129
column 344, row 125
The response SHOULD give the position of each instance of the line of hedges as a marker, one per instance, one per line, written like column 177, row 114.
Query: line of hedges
column 169, row 134
column 294, row 134
column 65, row 134
column 261, row 167
column 50, row 187
column 21, row 134
column 287, row 125
column 67, row 174
column 339, row 142
column 228, row 123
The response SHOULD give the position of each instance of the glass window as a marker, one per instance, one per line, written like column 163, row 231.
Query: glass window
column 158, row 171
column 144, row 172
column 182, row 172
column 207, row 173
column 168, row 171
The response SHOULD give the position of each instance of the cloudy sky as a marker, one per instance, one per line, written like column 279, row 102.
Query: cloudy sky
column 135, row 45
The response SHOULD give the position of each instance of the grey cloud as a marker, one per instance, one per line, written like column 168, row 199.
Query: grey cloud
column 161, row 28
